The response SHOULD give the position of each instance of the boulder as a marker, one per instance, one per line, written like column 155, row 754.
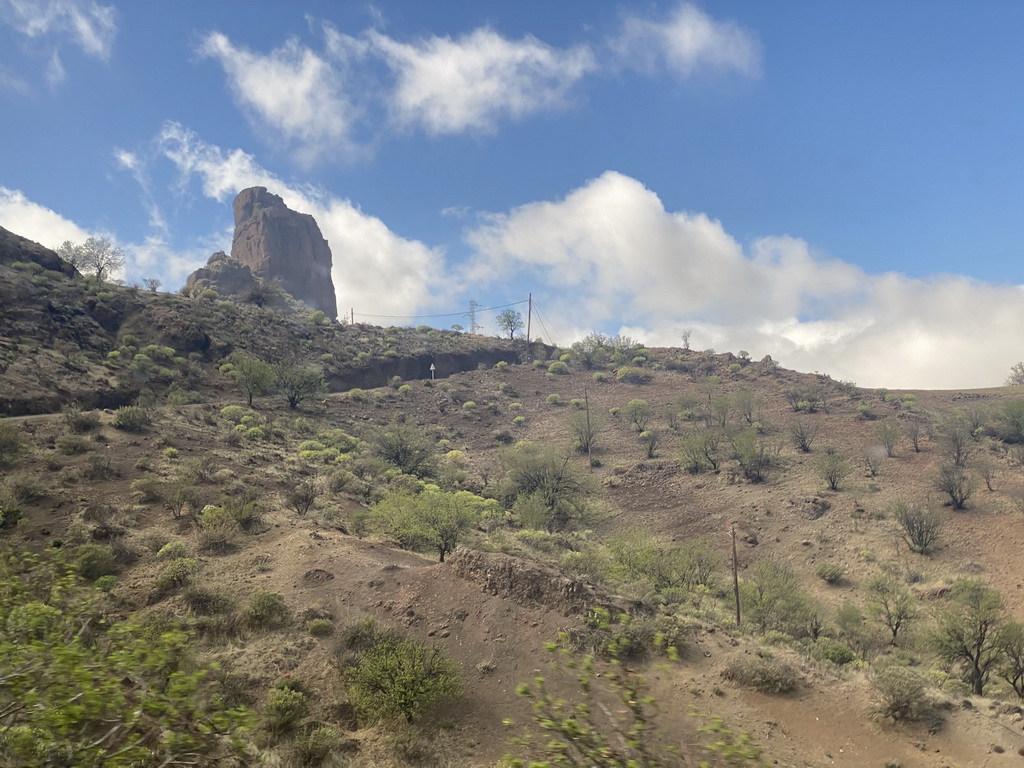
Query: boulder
column 282, row 245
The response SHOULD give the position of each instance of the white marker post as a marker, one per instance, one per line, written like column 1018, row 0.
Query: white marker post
column 432, row 369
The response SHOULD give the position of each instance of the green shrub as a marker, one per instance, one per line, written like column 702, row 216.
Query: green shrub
column 79, row 421
column 72, row 445
column 284, row 708
column 207, row 602
column 320, row 627
column 178, row 573
column 559, row 368
column 901, row 694
column 218, row 530
column 399, row 678
column 9, row 516
column 836, row 652
column 92, row 561
column 469, row 405
column 233, row 413
column 10, row 445
column 106, row 583
column 266, row 610
column 554, row 399
column 149, row 488
column 831, row 573
column 762, row 674
column 314, row 747
column 131, row 418
column 173, row 550
column 633, row 375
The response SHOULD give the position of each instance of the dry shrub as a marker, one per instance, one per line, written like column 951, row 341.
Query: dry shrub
column 765, row 675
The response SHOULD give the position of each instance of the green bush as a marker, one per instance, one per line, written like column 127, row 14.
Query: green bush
column 178, row 573
column 320, row 627
column 762, row 674
column 207, row 602
column 233, row 413
column 554, row 399
column 218, row 530
column 837, row 653
column 173, row 550
column 79, row 421
column 632, row 375
column 314, row 747
column 106, row 583
column 284, row 708
column 72, row 445
column 91, row 561
column 10, row 445
column 831, row 573
column 901, row 694
column 558, row 368
column 131, row 418
column 266, row 610
column 399, row 678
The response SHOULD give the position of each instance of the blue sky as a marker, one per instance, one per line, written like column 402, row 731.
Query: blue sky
column 835, row 184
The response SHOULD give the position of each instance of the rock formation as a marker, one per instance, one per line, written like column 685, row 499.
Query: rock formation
column 279, row 244
column 223, row 274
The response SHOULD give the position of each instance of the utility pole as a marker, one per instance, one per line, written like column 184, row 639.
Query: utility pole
column 590, row 437
column 529, row 336
column 735, row 574
column 352, row 315
column 473, row 327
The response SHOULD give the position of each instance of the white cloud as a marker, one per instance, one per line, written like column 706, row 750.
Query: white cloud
column 470, row 83
column 55, row 74
column 619, row 258
column 294, row 91
column 36, row 222
column 686, row 41
column 93, row 27
column 375, row 271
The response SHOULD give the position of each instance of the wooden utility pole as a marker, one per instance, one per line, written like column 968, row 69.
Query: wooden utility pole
column 735, row 573
column 529, row 322
column 352, row 315
column 590, row 437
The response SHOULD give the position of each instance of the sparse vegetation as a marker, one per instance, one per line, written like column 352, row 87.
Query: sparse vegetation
column 921, row 525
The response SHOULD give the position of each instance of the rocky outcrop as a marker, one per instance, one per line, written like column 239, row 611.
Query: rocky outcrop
column 15, row 248
column 279, row 244
column 225, row 275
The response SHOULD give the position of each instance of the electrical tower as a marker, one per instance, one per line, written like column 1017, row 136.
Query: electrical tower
column 473, row 327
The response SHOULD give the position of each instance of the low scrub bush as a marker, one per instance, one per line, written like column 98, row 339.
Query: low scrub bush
column 901, row 694
column 132, row 418
column 764, row 675
column 632, row 375
column 72, row 445
column 203, row 601
column 80, row 421
column 266, row 610
column 177, row 574
column 284, row 708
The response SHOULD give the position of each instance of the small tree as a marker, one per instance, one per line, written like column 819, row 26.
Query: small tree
column 509, row 322
column 699, row 449
column 772, row 599
column 583, row 430
column 406, row 446
column 958, row 441
column 298, row 382
column 888, row 432
column 957, row 483
column 890, row 603
column 1016, row 377
column 803, row 432
column 303, row 496
column 433, row 519
column 969, row 629
column 400, row 678
column 1011, row 668
column 97, row 255
column 914, row 431
column 650, row 439
column 755, row 454
column 254, row 376
column 152, row 284
column 832, row 468
column 638, row 412
column 920, row 524
column 545, row 487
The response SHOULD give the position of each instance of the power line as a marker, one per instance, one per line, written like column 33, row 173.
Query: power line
column 447, row 314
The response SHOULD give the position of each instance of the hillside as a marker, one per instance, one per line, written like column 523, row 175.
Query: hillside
column 688, row 446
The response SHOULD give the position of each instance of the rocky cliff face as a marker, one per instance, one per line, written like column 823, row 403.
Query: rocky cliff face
column 277, row 243
column 225, row 275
